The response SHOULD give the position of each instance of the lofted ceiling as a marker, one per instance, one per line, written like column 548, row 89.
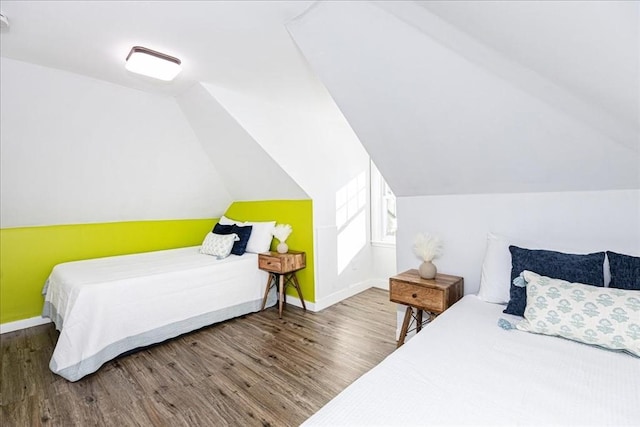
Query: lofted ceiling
column 588, row 47
column 485, row 97
column 242, row 45
column 575, row 63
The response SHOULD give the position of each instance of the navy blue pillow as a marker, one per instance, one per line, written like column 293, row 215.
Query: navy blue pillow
column 625, row 271
column 243, row 232
column 587, row 269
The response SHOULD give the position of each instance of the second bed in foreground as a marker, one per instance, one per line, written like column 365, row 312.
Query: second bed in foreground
column 464, row 369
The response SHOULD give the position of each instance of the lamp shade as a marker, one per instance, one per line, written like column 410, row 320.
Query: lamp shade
column 152, row 64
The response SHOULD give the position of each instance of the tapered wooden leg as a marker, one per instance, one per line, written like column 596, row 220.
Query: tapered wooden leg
column 266, row 291
column 405, row 326
column 281, row 293
column 418, row 320
column 296, row 284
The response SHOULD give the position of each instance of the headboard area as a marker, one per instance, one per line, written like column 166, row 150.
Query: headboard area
column 298, row 214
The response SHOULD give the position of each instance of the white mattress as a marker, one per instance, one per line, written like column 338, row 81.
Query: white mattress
column 106, row 306
column 464, row 369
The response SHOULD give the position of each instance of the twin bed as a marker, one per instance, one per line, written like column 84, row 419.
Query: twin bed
column 104, row 307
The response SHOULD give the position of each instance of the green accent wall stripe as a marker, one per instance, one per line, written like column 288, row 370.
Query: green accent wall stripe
column 28, row 254
column 298, row 214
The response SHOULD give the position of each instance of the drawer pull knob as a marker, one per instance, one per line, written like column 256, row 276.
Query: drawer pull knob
column 415, row 295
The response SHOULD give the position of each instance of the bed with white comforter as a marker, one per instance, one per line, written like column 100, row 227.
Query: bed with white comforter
column 104, row 307
column 463, row 369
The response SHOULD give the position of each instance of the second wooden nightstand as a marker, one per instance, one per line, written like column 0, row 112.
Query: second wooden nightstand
column 281, row 269
column 431, row 295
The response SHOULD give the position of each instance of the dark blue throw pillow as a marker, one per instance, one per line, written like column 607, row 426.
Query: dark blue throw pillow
column 625, row 271
column 587, row 269
column 243, row 232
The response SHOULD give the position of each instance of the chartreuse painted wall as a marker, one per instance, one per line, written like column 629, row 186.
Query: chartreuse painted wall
column 27, row 254
column 298, row 214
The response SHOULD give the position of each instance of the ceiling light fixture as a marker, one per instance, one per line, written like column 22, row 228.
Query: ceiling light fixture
column 153, row 64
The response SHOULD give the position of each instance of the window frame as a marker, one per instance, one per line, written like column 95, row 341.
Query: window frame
column 380, row 195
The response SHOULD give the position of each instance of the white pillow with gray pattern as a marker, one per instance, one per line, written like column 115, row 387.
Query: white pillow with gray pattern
column 218, row 245
column 606, row 317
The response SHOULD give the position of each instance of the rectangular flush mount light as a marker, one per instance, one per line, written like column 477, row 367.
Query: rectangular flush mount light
column 152, row 64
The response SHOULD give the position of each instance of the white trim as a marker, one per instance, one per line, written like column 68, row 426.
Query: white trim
column 380, row 284
column 23, row 324
column 382, row 244
column 343, row 294
column 295, row 301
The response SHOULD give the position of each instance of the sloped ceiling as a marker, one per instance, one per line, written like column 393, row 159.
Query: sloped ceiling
column 235, row 44
column 247, row 170
column 588, row 47
column 513, row 100
column 447, row 97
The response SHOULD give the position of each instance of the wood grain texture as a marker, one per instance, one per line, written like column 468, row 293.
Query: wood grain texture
column 255, row 370
column 282, row 263
column 433, row 295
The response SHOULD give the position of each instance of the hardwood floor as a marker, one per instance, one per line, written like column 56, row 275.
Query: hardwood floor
column 250, row 371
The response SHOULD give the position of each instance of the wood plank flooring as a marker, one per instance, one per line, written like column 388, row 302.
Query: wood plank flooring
column 256, row 370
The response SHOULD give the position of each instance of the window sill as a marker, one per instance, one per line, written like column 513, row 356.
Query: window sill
column 383, row 244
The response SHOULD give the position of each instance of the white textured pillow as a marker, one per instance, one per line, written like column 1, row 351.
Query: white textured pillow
column 218, row 245
column 495, row 279
column 606, row 317
column 261, row 236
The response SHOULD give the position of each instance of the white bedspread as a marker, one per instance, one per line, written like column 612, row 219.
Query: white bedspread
column 106, row 306
column 464, row 369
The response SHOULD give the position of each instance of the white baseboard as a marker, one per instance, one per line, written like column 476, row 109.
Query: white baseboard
column 336, row 297
column 343, row 294
column 23, row 324
column 295, row 301
column 380, row 284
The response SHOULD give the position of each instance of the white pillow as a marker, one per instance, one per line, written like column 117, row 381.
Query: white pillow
column 218, row 245
column 606, row 317
column 228, row 221
column 495, row 279
column 261, row 235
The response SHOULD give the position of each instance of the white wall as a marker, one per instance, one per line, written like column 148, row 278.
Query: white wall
column 574, row 222
column 383, row 259
column 578, row 222
column 315, row 145
column 79, row 150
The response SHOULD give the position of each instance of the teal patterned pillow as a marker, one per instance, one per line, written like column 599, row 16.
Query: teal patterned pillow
column 606, row 317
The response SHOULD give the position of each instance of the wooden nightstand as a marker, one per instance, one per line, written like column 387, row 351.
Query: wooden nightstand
column 431, row 295
column 282, row 268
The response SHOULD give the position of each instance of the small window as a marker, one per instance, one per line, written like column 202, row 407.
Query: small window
column 383, row 210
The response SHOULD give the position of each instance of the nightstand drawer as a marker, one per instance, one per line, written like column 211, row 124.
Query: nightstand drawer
column 269, row 263
column 282, row 263
column 428, row 299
